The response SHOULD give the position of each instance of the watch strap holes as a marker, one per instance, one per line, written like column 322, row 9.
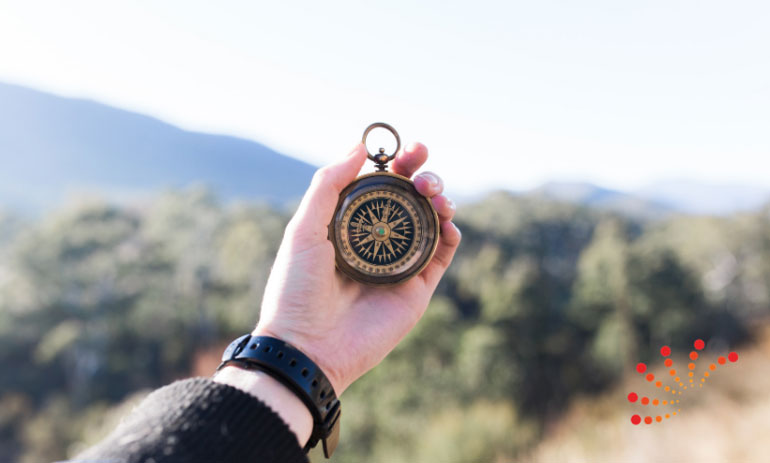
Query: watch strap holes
column 293, row 362
column 305, row 372
column 253, row 346
column 267, row 349
column 314, row 383
column 323, row 393
column 280, row 354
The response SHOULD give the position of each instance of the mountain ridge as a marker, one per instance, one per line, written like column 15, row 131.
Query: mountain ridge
column 52, row 145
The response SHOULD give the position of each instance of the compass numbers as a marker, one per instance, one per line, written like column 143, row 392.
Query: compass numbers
column 381, row 231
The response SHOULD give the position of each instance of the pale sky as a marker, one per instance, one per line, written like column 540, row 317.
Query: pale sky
column 505, row 94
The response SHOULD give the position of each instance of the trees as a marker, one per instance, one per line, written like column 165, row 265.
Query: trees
column 545, row 301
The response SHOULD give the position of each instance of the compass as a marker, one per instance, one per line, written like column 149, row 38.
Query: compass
column 384, row 231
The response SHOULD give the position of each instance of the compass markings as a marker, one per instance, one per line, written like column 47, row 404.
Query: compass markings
column 380, row 231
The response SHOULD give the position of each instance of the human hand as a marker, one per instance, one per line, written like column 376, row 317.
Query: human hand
column 344, row 326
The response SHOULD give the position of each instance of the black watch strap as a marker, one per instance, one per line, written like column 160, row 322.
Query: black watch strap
column 296, row 371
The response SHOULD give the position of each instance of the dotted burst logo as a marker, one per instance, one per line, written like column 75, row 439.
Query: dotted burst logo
column 665, row 402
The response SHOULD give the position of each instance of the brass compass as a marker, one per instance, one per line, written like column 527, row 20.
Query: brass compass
column 384, row 231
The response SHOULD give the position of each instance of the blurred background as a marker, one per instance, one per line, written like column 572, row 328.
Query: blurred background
column 610, row 161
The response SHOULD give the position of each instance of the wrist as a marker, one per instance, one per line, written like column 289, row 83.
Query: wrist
column 306, row 347
column 272, row 393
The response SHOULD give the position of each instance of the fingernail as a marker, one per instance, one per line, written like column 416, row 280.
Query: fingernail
column 457, row 229
column 430, row 178
column 411, row 147
column 451, row 204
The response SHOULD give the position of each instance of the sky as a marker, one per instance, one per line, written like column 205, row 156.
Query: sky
column 506, row 94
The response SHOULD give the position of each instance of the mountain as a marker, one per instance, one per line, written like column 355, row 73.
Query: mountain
column 603, row 198
column 699, row 198
column 51, row 146
column 660, row 199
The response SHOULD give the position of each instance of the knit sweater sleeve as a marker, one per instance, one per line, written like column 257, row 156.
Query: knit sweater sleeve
column 198, row 421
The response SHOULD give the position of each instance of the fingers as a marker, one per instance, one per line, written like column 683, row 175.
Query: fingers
column 410, row 159
column 447, row 245
column 429, row 184
column 317, row 206
column 444, row 206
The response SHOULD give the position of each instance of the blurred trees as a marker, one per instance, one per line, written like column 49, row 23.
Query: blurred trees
column 545, row 301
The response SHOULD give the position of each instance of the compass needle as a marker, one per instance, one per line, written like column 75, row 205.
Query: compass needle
column 398, row 235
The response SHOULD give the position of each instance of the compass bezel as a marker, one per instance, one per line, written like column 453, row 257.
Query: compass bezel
column 405, row 188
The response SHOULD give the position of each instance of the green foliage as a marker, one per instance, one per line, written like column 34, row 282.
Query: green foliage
column 545, row 301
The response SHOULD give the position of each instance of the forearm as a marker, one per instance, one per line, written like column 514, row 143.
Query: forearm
column 273, row 394
column 199, row 420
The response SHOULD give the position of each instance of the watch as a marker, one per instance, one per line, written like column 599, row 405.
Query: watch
column 295, row 370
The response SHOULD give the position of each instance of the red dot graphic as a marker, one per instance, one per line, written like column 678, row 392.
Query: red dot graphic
column 665, row 351
column 693, row 355
column 699, row 344
column 732, row 356
column 721, row 360
column 636, row 419
column 641, row 368
column 650, row 377
column 632, row 397
column 648, row 419
column 645, row 400
column 669, row 362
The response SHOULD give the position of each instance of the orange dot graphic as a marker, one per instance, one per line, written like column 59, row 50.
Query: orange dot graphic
column 658, row 419
column 733, row 357
column 636, row 419
column 672, row 372
column 691, row 366
column 655, row 402
column 693, row 355
column 632, row 397
column 650, row 377
column 641, row 368
column 690, row 374
column 703, row 380
column 668, row 362
column 721, row 360
column 658, row 384
column 665, row 402
column 677, row 379
column 668, row 388
column 712, row 367
column 699, row 344
column 665, row 351
column 667, row 415
column 645, row 400
column 648, row 419
column 706, row 374
column 677, row 401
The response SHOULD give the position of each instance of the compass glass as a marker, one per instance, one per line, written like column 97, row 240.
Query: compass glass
column 384, row 230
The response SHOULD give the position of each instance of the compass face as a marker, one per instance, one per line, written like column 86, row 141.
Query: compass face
column 384, row 231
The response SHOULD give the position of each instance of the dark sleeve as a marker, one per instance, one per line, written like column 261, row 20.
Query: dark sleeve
column 198, row 421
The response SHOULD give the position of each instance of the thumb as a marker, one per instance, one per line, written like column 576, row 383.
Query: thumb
column 317, row 206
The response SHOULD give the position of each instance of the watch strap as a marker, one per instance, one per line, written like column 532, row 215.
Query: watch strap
column 296, row 371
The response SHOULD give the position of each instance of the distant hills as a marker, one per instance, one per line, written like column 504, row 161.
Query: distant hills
column 51, row 146
column 660, row 199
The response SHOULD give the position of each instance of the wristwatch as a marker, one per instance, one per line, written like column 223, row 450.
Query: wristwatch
column 295, row 370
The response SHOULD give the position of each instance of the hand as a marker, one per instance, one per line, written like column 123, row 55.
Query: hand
column 344, row 326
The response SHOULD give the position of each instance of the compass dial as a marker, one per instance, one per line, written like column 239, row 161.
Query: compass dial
column 384, row 231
